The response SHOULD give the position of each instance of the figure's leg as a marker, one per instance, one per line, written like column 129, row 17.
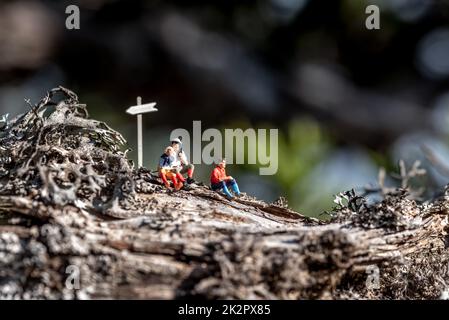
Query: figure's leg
column 225, row 189
column 189, row 169
column 234, row 186
column 176, row 182
column 179, row 185
column 180, row 177
column 164, row 178
column 173, row 178
column 184, row 169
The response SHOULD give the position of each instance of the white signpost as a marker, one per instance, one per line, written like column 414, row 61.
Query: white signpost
column 139, row 110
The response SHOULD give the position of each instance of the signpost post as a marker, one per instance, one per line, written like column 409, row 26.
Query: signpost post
column 138, row 110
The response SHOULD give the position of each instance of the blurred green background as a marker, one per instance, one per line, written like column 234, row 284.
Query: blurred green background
column 345, row 99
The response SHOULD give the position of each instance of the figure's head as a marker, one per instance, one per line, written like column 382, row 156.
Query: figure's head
column 176, row 144
column 169, row 151
column 222, row 163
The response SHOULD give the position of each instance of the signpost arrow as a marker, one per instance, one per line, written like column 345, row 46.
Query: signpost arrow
column 139, row 110
column 144, row 108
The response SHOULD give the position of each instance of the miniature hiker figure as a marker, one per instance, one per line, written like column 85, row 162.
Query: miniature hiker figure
column 220, row 181
column 181, row 164
column 166, row 170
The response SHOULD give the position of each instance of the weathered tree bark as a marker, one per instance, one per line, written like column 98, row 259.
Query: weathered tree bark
column 70, row 200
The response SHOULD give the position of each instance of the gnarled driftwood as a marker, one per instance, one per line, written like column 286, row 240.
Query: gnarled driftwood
column 70, row 200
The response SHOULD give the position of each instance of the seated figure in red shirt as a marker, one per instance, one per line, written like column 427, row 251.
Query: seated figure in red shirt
column 220, row 181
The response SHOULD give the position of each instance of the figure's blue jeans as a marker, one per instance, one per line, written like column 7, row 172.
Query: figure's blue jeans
column 223, row 186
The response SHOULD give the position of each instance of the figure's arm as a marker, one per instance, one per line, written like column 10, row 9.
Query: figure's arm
column 225, row 177
column 183, row 158
column 161, row 163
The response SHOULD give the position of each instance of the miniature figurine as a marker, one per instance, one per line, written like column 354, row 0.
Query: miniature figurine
column 181, row 162
column 220, row 181
column 166, row 170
